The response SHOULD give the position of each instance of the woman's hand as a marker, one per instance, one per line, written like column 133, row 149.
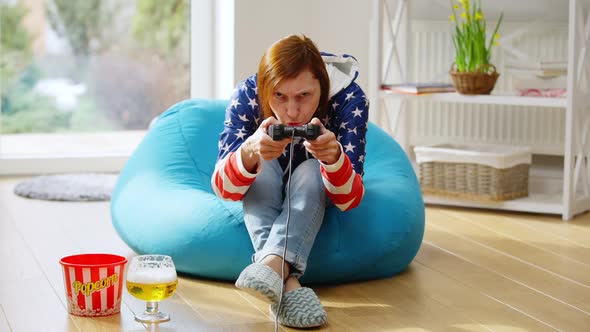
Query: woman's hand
column 325, row 148
column 261, row 145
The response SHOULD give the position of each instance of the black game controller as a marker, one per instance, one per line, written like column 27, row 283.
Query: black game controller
column 280, row 131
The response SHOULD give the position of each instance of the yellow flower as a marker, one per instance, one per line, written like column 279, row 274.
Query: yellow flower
column 497, row 36
column 464, row 14
column 478, row 16
column 456, row 7
column 465, row 4
column 452, row 18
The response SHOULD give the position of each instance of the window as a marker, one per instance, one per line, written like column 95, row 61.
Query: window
column 94, row 66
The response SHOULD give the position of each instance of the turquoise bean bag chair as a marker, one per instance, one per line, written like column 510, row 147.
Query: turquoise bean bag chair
column 163, row 203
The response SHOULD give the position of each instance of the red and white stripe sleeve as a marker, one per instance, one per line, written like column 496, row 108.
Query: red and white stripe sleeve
column 230, row 179
column 344, row 186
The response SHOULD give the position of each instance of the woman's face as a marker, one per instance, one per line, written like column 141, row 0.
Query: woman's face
column 295, row 100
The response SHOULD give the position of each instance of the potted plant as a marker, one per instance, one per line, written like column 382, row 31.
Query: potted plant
column 472, row 72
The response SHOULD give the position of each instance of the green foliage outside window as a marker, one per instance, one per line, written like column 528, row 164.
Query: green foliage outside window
column 82, row 23
column 15, row 50
column 132, row 57
column 162, row 25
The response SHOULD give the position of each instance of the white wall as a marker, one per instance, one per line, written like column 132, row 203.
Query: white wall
column 336, row 26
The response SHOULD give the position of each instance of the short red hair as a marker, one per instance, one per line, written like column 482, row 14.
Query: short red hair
column 285, row 59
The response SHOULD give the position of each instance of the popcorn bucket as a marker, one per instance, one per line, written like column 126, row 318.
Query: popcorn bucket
column 93, row 283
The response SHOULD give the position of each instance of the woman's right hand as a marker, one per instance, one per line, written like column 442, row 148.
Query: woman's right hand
column 261, row 146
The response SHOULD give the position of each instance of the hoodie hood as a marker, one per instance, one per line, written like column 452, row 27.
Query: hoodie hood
column 342, row 70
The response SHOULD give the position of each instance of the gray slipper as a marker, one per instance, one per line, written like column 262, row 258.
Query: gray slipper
column 300, row 308
column 261, row 281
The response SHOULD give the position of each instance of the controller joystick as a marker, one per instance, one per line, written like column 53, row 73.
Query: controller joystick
column 280, row 131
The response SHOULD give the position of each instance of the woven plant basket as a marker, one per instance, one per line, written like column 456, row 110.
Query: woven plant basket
column 480, row 82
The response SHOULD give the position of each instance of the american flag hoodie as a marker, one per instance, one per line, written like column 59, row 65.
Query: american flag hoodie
column 346, row 117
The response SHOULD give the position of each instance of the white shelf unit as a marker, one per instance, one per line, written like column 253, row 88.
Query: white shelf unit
column 392, row 19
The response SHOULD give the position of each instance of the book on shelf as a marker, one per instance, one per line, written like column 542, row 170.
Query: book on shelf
column 538, row 65
column 419, row 88
column 530, row 82
column 543, row 68
column 541, row 73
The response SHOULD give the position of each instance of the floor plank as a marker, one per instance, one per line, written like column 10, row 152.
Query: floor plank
column 576, row 230
column 25, row 287
column 536, row 256
column 219, row 303
column 470, row 301
column 551, row 311
column 31, row 305
column 519, row 270
column 15, row 254
column 406, row 302
column 249, row 327
column 525, row 231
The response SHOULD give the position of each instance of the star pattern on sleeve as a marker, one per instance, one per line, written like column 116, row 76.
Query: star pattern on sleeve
column 349, row 122
column 252, row 103
column 357, row 112
column 241, row 133
column 242, row 117
column 224, row 148
column 349, row 147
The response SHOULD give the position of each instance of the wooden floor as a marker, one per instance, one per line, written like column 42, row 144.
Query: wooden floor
column 476, row 271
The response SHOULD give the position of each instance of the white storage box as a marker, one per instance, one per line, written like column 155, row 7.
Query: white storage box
column 477, row 172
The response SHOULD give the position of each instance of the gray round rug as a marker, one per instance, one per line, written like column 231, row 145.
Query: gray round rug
column 69, row 187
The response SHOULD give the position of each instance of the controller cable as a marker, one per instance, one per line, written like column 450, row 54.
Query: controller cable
column 286, row 231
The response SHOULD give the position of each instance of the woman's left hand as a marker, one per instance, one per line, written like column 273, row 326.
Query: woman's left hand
column 325, row 148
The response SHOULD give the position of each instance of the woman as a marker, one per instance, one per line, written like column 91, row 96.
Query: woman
column 295, row 85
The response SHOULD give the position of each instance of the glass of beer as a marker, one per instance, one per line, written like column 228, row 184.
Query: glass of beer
column 151, row 278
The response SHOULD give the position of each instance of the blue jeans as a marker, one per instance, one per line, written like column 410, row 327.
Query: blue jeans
column 266, row 210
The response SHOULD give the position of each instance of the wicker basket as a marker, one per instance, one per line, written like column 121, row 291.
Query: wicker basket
column 480, row 173
column 480, row 82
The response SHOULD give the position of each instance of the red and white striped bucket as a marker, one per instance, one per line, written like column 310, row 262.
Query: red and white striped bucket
column 94, row 283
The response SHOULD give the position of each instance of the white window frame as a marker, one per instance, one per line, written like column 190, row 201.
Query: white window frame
column 212, row 48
